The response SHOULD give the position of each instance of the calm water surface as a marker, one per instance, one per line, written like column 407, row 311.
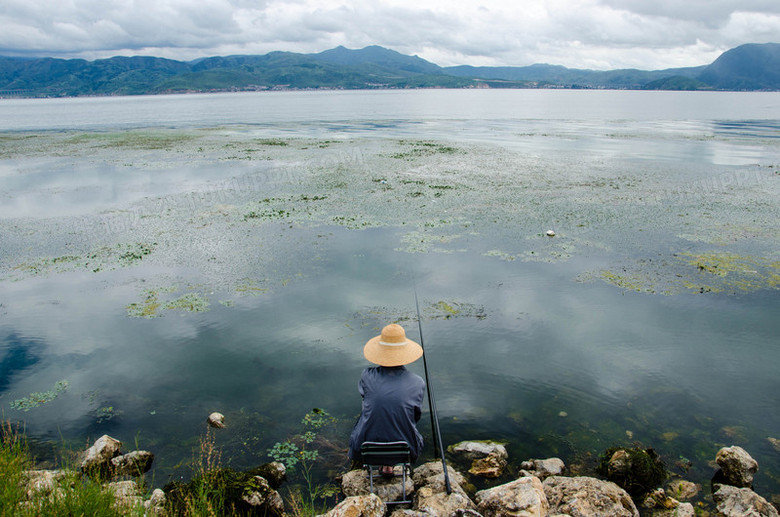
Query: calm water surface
column 552, row 365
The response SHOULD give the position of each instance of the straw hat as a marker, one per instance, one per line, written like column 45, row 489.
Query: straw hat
column 392, row 348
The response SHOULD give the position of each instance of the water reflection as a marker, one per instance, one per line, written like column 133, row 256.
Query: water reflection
column 530, row 353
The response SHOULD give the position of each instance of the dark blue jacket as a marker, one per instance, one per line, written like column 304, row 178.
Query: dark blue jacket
column 392, row 405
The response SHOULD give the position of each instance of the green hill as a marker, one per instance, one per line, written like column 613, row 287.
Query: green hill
column 748, row 67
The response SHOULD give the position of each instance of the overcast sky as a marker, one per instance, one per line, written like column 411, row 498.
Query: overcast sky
column 598, row 34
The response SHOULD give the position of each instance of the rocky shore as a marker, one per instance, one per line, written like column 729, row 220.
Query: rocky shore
column 542, row 489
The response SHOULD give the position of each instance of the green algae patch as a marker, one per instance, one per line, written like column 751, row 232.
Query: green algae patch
column 629, row 282
column 379, row 316
column 500, row 254
column 96, row 260
column 427, row 242
column 34, row 400
column 718, row 272
column 154, row 303
column 250, row 287
column 146, row 140
column 190, row 302
column 148, row 308
column 420, row 149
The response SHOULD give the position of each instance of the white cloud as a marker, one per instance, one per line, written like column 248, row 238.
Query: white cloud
column 577, row 33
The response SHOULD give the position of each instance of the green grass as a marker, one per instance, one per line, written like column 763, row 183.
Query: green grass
column 70, row 495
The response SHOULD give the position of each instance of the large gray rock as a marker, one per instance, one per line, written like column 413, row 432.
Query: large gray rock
column 132, row 464
column 359, row 506
column 543, row 468
column 741, row 502
column 261, row 497
column 432, row 474
column 737, row 465
column 523, row 497
column 100, row 454
column 587, row 496
column 431, row 496
column 435, row 502
column 355, row 482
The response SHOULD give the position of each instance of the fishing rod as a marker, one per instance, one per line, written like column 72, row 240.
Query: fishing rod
column 437, row 443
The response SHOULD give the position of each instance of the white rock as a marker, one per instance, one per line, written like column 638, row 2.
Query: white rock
column 216, row 420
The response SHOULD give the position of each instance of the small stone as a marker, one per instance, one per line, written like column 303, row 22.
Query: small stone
column 683, row 490
column 155, row 505
column 563, row 414
column 216, row 420
column 550, row 233
column 775, row 443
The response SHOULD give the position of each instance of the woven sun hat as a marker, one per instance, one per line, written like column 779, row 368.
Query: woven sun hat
column 392, row 347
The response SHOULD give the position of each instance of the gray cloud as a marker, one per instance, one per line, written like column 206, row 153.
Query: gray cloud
column 578, row 33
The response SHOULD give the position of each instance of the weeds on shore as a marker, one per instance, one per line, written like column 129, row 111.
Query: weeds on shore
column 299, row 454
column 65, row 493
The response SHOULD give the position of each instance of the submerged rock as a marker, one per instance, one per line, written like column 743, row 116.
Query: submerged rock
column 524, row 496
column 664, row 506
column 489, row 467
column 543, row 468
column 488, row 459
column 636, row 470
column 474, row 450
column 683, row 490
column 737, row 466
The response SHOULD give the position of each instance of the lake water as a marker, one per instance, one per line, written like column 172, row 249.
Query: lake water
column 165, row 257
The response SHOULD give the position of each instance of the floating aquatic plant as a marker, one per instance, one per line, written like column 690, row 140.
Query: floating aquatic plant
column 34, row 400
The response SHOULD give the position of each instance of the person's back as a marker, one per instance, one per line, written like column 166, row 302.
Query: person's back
column 392, row 405
column 392, row 395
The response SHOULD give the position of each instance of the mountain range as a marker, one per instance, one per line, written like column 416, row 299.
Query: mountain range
column 747, row 67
